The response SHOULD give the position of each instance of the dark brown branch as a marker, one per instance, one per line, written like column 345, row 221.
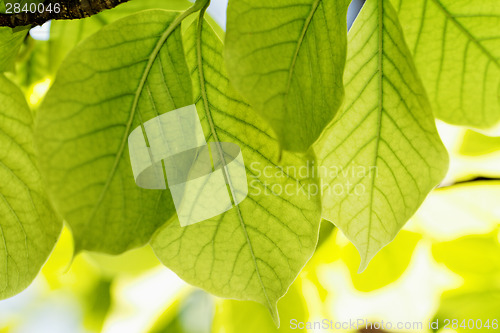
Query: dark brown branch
column 70, row 10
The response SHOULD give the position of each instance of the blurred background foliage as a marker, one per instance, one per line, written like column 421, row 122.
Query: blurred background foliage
column 445, row 264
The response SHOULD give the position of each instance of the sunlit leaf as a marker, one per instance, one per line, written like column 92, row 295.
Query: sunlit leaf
column 66, row 34
column 255, row 250
column 382, row 155
column 287, row 58
column 11, row 39
column 456, row 47
column 123, row 75
column 28, row 226
column 10, row 43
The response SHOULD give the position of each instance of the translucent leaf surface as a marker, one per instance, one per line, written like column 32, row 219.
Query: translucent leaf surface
column 456, row 47
column 28, row 226
column 255, row 250
column 287, row 60
column 382, row 155
column 129, row 72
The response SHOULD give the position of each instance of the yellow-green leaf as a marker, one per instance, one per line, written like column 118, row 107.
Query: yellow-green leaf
column 28, row 225
column 287, row 59
column 127, row 73
column 456, row 47
column 381, row 156
column 255, row 250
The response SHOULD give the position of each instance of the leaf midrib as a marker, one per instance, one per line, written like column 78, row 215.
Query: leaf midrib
column 379, row 119
column 219, row 149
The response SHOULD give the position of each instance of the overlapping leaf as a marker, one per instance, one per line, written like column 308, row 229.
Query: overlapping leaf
column 10, row 42
column 28, row 226
column 287, row 59
column 255, row 250
column 11, row 39
column 124, row 75
column 382, row 155
column 66, row 34
column 456, row 47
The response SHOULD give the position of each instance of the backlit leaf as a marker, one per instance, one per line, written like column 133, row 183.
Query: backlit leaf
column 287, row 59
column 10, row 43
column 456, row 47
column 255, row 250
column 66, row 34
column 382, row 155
column 123, row 75
column 11, row 39
column 28, row 226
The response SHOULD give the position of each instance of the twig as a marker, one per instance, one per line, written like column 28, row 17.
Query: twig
column 70, row 10
column 472, row 180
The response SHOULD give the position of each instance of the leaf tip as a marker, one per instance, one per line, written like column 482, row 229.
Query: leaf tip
column 366, row 257
column 273, row 309
column 362, row 266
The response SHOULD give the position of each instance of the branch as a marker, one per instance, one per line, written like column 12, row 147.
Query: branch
column 477, row 179
column 70, row 10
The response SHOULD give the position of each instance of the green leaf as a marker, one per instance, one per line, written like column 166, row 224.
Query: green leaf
column 124, row 75
column 382, row 155
column 10, row 43
column 456, row 47
column 11, row 39
column 287, row 59
column 255, row 250
column 28, row 227
column 66, row 34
